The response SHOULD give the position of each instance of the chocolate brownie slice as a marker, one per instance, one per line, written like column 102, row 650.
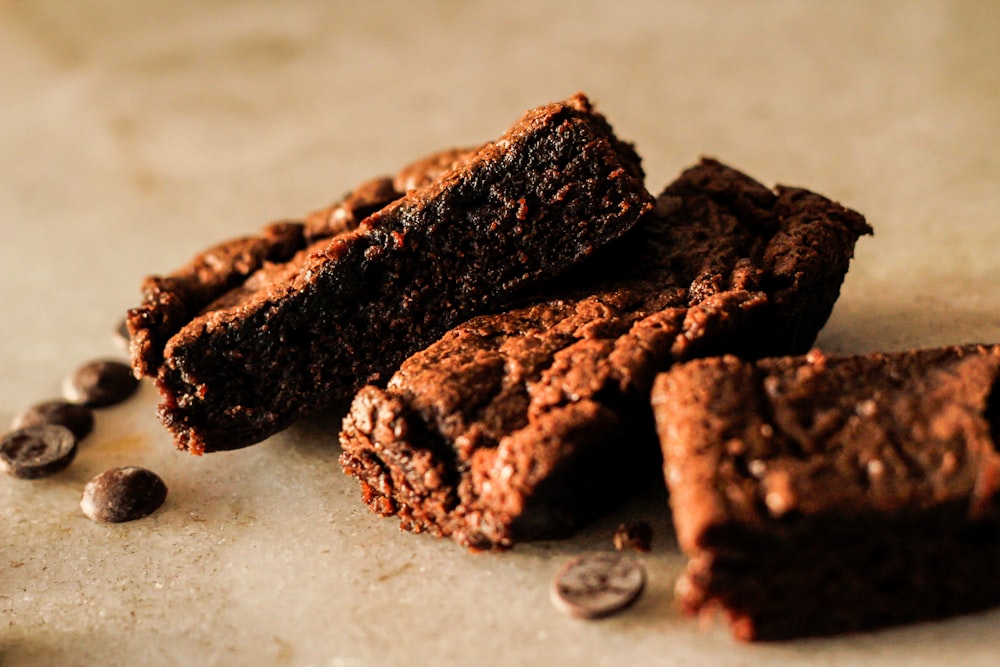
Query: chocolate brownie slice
column 523, row 424
column 295, row 336
column 228, row 272
column 818, row 495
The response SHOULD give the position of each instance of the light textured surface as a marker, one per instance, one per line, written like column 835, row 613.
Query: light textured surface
column 133, row 134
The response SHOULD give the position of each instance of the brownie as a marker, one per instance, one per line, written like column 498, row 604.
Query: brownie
column 294, row 336
column 170, row 302
column 818, row 495
column 523, row 424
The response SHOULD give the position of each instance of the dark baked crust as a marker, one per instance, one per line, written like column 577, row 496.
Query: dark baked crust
column 523, row 424
column 346, row 310
column 818, row 495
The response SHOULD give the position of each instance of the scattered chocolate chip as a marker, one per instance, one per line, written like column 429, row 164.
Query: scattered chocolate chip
column 37, row 451
column 637, row 535
column 77, row 418
column 123, row 494
column 121, row 335
column 598, row 584
column 100, row 383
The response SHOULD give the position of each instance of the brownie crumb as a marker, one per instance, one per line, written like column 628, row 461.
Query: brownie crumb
column 526, row 423
column 636, row 535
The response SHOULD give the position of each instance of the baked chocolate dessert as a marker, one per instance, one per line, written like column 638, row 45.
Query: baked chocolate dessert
column 523, row 424
column 309, row 327
column 170, row 302
column 818, row 495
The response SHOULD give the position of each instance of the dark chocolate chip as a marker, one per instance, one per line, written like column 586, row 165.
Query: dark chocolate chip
column 77, row 418
column 598, row 584
column 121, row 335
column 637, row 535
column 37, row 451
column 123, row 494
column 100, row 383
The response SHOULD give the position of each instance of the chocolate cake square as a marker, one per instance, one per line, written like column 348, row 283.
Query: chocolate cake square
column 818, row 495
column 523, row 424
column 295, row 335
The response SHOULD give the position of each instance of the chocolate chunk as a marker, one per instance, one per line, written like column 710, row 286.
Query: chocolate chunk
column 37, row 451
column 100, row 383
column 123, row 494
column 597, row 585
column 637, row 535
column 77, row 418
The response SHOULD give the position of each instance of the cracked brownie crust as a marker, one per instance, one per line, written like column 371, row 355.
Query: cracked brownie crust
column 523, row 424
column 817, row 495
column 346, row 310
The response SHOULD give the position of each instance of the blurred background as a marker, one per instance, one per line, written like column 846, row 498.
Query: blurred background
column 155, row 128
column 133, row 134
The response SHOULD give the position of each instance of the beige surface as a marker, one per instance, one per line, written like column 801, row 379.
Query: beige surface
column 132, row 134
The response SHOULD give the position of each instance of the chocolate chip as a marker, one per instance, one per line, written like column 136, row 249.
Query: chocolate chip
column 100, row 383
column 121, row 335
column 123, row 494
column 598, row 584
column 37, row 451
column 637, row 535
column 77, row 418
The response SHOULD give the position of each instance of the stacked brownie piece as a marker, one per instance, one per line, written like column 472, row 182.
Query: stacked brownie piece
column 817, row 495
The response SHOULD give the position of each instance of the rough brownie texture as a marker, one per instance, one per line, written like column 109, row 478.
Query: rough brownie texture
column 294, row 335
column 521, row 425
column 818, row 495
column 230, row 270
